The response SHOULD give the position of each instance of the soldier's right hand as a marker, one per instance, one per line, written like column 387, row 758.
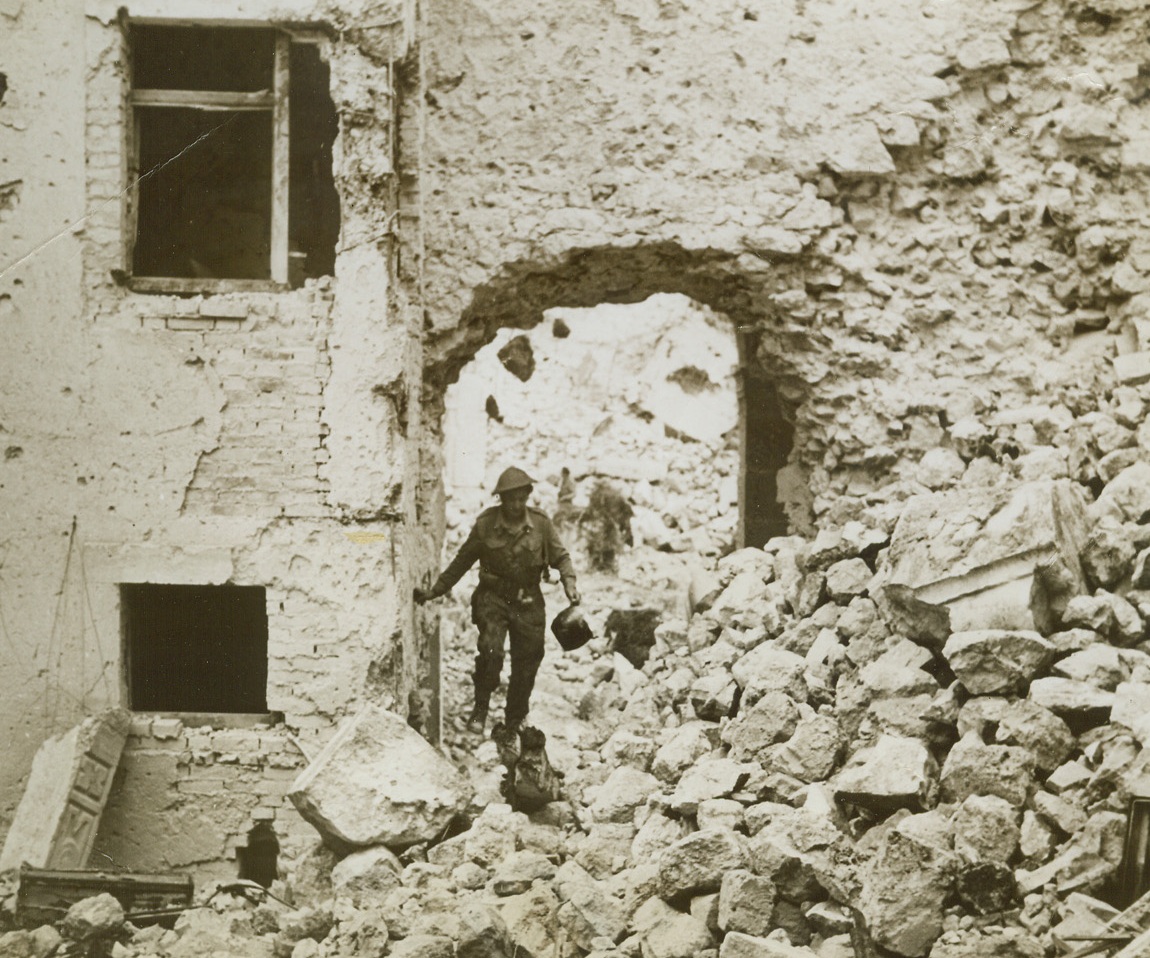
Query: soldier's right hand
column 422, row 595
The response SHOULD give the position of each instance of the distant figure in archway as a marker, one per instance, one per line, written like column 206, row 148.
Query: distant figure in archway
column 514, row 545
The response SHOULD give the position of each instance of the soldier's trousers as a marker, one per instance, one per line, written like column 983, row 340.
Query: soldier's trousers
column 496, row 617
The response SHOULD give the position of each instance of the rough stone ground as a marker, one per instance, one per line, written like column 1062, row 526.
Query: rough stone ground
column 804, row 768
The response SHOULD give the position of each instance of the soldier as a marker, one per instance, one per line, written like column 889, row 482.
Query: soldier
column 514, row 544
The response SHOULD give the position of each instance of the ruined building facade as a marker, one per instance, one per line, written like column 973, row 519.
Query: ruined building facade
column 235, row 286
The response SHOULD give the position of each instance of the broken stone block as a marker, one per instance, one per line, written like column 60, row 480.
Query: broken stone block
column 690, row 742
column 423, row 946
column 811, row 753
column 588, row 909
column 655, row 834
column 696, row 864
column 893, row 773
column 56, row 821
column 986, row 888
column 1026, row 723
column 482, row 933
column 986, row 829
column 1080, row 704
column 1127, row 496
column 904, row 888
column 973, row 768
column 1089, row 612
column 91, row 919
column 994, row 661
column 532, row 921
column 378, row 782
column 771, row 719
column 626, row 747
column 737, row 945
column 367, row 874
column 1132, row 706
column 1108, row 555
column 666, row 932
column 708, row 778
column 626, row 790
column 712, row 696
column 975, row 552
column 722, row 813
column 1099, row 665
column 847, row 579
column 746, row 901
column 769, row 668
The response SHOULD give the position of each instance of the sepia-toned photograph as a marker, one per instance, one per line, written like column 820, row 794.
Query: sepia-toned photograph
column 583, row 479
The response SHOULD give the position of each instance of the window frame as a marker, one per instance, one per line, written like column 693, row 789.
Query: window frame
column 276, row 101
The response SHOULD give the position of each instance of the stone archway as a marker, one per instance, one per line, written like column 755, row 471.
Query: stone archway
column 754, row 293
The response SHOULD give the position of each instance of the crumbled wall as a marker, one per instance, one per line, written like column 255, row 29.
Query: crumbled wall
column 921, row 210
column 254, row 438
column 658, row 424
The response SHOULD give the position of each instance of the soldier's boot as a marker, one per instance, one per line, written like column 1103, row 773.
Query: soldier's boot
column 477, row 720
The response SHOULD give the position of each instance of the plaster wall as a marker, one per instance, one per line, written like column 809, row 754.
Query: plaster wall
column 915, row 211
column 253, row 438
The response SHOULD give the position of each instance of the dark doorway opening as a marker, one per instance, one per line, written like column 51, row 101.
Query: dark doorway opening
column 258, row 860
column 195, row 648
column 768, row 437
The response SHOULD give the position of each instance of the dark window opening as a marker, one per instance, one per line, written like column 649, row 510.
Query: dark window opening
column 767, row 440
column 208, row 212
column 232, row 166
column 259, row 859
column 191, row 648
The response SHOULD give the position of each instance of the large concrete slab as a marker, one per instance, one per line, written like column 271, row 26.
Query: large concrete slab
column 977, row 553
column 56, row 820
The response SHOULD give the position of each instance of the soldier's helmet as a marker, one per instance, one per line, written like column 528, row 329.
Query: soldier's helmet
column 512, row 478
column 571, row 629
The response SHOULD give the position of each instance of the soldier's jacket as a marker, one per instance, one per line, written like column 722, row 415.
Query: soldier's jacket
column 509, row 558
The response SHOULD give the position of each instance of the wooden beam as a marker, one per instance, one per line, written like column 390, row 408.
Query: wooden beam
column 197, row 284
column 281, row 172
column 205, row 99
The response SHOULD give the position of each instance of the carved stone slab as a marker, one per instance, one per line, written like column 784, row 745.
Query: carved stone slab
column 56, row 821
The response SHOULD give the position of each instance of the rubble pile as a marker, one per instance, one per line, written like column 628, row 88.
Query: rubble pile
column 916, row 737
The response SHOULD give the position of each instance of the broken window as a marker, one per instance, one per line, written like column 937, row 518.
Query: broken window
column 195, row 648
column 231, row 164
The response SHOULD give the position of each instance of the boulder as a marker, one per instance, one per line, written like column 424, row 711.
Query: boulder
column 482, row 933
column 773, row 718
column 1080, row 704
column 986, row 829
column 904, row 888
column 378, row 782
column 737, row 945
column 746, row 901
column 974, row 768
column 98, row 917
column 847, row 579
column 588, row 910
column 770, row 668
column 423, row 946
column 708, row 778
column 895, row 772
column 1026, row 723
column 994, row 661
column 697, row 863
column 626, row 790
column 666, row 932
column 811, row 753
column 532, row 921
column 1126, row 497
column 367, row 874
column 685, row 746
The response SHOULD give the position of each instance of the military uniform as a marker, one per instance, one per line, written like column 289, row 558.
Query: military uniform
column 508, row 600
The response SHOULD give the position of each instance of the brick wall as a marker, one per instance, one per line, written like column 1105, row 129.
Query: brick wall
column 210, row 786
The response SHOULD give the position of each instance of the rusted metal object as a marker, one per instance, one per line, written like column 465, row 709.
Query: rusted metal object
column 44, row 895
